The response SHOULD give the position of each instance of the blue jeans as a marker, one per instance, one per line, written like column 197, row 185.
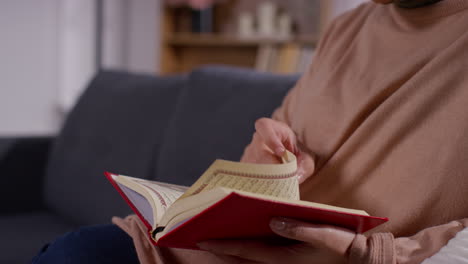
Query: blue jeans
column 94, row 244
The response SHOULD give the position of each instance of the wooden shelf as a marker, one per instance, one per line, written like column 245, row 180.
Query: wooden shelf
column 217, row 40
column 182, row 51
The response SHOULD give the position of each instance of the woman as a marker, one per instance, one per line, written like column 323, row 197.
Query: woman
column 379, row 122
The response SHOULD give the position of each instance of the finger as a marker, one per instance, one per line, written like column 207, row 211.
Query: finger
column 300, row 173
column 247, row 250
column 290, row 141
column 305, row 166
column 286, row 135
column 261, row 153
column 288, row 138
column 271, row 136
column 247, row 156
column 332, row 238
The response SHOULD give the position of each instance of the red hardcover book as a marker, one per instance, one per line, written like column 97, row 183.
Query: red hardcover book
column 230, row 201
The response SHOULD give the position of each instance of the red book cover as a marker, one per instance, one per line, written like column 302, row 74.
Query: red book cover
column 239, row 216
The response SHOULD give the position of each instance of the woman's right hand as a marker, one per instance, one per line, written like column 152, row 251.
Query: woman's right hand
column 269, row 142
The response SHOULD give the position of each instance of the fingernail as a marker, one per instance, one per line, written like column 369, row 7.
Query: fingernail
column 278, row 224
column 300, row 174
column 300, row 178
column 279, row 151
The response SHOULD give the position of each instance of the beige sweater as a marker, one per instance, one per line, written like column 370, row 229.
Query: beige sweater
column 384, row 111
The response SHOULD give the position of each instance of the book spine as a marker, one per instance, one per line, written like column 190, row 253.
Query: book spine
column 202, row 20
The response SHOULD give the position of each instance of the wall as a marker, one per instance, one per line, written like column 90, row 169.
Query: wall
column 131, row 35
column 76, row 49
column 143, row 35
column 46, row 55
column 28, row 66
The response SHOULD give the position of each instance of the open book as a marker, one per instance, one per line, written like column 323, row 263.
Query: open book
column 230, row 200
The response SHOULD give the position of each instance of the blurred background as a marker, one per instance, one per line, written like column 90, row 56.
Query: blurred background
column 50, row 49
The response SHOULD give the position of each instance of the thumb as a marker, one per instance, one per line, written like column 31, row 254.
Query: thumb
column 335, row 239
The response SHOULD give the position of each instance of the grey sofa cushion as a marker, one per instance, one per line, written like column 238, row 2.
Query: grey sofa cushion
column 215, row 118
column 117, row 126
column 24, row 235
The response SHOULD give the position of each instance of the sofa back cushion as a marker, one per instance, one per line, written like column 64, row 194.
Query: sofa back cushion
column 117, row 125
column 215, row 118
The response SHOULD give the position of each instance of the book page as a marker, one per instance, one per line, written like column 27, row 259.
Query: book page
column 278, row 180
column 160, row 195
column 166, row 193
column 140, row 202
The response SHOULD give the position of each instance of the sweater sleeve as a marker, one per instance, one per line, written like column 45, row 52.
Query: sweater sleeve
column 444, row 241
column 285, row 112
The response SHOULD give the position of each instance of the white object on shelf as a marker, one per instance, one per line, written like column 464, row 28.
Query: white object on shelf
column 266, row 15
column 246, row 25
column 284, row 25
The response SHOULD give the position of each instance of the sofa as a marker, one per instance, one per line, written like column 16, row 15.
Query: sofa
column 167, row 129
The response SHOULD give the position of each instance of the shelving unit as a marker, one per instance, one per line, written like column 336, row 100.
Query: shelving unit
column 183, row 51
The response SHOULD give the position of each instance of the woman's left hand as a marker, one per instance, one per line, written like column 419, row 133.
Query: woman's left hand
column 318, row 244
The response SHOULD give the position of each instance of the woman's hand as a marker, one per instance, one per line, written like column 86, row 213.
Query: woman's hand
column 270, row 141
column 317, row 244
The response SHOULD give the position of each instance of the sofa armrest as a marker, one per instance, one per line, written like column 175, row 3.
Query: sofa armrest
column 22, row 166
